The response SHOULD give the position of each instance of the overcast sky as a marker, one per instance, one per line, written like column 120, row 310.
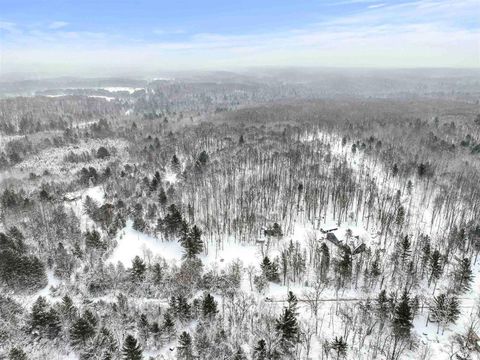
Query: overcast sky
column 106, row 37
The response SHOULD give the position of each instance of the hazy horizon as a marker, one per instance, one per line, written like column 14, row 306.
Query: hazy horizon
column 91, row 39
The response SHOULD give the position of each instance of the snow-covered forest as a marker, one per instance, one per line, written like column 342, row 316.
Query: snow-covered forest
column 241, row 218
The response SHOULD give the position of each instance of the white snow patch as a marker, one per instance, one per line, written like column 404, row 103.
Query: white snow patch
column 130, row 90
column 133, row 243
column 171, row 177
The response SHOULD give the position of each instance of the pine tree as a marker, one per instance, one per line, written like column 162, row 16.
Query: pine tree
column 287, row 324
column 400, row 216
column 325, row 261
column 157, row 274
column 192, row 242
column 138, row 223
column 168, row 324
column 209, row 306
column 444, row 310
column 405, row 249
column 131, row 349
column 154, row 184
column 453, row 310
column 394, row 170
column 93, row 239
column 270, row 269
column 375, row 269
column 107, row 342
column 67, row 308
column 463, row 276
column 339, row 346
column 17, row 353
column 435, row 266
column 344, row 265
column 292, row 302
column 172, row 221
column 143, row 326
column 138, row 269
column 260, row 351
column 162, row 197
column 438, row 310
column 184, row 349
column 82, row 330
column 175, row 163
column 203, row 158
column 383, row 304
column 402, row 319
column 43, row 319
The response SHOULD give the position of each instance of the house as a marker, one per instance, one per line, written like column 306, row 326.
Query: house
column 359, row 249
column 333, row 239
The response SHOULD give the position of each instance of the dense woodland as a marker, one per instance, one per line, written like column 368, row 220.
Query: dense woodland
column 192, row 220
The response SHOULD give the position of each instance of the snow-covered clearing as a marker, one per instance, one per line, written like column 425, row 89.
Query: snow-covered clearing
column 114, row 89
column 52, row 159
column 131, row 243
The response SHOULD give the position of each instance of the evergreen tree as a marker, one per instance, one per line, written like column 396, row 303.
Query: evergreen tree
column 67, row 308
column 172, row 221
column 154, row 184
column 138, row 223
column 438, row 310
column 157, row 274
column 344, row 265
column 138, row 269
column 394, row 170
column 168, row 324
column 405, row 249
column 260, row 350
column 209, row 306
column 435, row 266
column 144, row 327
column 192, row 243
column 202, row 158
column 402, row 319
column 375, row 269
column 463, row 276
column 175, row 163
column 325, row 260
column 43, row 320
column 453, row 310
column 339, row 346
column 17, row 353
column 131, row 349
column 400, row 216
column 184, row 348
column 444, row 310
column 270, row 269
column 287, row 324
column 93, row 239
column 82, row 330
column 162, row 197
column 383, row 304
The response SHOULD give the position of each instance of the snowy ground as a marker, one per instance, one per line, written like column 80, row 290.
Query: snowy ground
column 52, row 159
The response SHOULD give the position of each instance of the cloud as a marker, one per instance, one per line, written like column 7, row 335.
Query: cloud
column 374, row 6
column 422, row 33
column 57, row 25
column 8, row 26
column 169, row 31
